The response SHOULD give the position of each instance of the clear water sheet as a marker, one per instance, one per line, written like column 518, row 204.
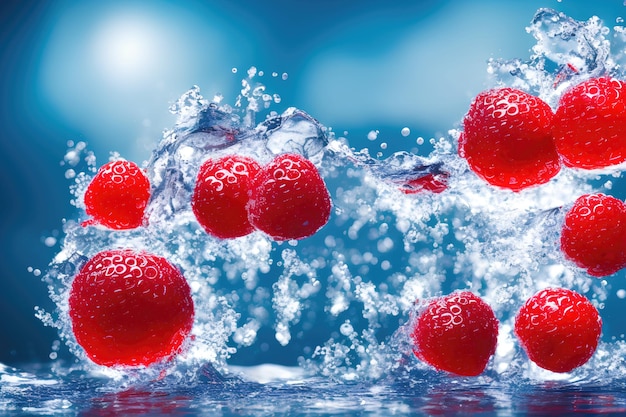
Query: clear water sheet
column 343, row 299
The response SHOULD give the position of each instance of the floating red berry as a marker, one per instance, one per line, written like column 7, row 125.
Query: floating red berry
column 559, row 329
column 289, row 199
column 221, row 195
column 435, row 183
column 594, row 234
column 456, row 333
column 118, row 195
column 590, row 124
column 507, row 139
column 130, row 308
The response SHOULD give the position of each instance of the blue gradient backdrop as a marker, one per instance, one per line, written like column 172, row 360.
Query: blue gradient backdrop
column 106, row 72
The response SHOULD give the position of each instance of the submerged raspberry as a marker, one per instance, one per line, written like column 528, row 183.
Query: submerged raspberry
column 507, row 139
column 130, row 308
column 289, row 199
column 456, row 333
column 559, row 329
column 221, row 195
column 594, row 234
column 590, row 124
column 118, row 195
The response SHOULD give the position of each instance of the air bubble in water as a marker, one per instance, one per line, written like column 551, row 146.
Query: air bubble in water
column 346, row 329
column 72, row 157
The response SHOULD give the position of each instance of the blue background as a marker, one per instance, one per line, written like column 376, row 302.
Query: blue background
column 106, row 72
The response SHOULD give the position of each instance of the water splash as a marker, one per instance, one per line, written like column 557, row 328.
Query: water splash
column 567, row 51
column 403, row 229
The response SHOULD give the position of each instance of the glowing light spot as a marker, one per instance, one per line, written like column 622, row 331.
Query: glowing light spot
column 125, row 47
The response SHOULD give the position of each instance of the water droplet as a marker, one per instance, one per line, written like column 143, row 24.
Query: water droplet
column 346, row 329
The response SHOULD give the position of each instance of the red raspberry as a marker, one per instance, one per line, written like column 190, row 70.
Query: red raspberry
column 289, row 199
column 221, row 195
column 507, row 139
column 117, row 196
column 456, row 333
column 129, row 308
column 559, row 329
column 594, row 234
column 590, row 124
column 435, row 183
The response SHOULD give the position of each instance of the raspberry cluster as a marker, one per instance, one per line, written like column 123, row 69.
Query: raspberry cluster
column 286, row 199
column 512, row 139
column 130, row 308
column 558, row 328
